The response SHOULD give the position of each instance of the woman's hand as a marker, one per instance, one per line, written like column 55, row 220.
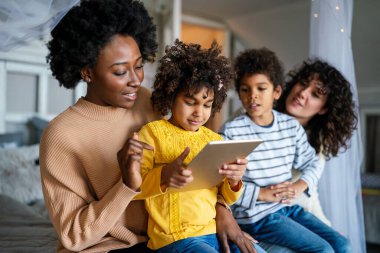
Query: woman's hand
column 129, row 161
column 283, row 192
column 175, row 174
column 234, row 172
column 228, row 229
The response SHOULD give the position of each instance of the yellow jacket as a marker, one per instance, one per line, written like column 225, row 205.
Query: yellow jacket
column 177, row 215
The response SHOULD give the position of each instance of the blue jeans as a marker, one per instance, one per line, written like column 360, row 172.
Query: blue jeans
column 298, row 230
column 199, row 244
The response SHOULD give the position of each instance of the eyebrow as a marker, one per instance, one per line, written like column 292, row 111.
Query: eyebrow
column 124, row 62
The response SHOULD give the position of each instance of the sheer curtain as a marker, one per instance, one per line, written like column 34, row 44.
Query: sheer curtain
column 340, row 188
column 23, row 20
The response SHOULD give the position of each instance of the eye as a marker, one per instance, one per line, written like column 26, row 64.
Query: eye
column 244, row 89
column 189, row 102
column 208, row 105
column 139, row 67
column 262, row 88
column 120, row 73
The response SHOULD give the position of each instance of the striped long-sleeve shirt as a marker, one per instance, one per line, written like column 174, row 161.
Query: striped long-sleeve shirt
column 284, row 147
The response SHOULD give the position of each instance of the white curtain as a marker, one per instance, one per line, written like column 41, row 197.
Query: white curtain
column 340, row 189
column 23, row 20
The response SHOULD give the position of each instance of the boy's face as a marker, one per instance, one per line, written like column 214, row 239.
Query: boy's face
column 190, row 112
column 257, row 94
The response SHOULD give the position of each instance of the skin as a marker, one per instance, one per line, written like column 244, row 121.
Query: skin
column 115, row 81
column 190, row 112
column 306, row 100
column 257, row 93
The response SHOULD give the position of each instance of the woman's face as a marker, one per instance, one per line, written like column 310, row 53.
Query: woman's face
column 305, row 100
column 117, row 74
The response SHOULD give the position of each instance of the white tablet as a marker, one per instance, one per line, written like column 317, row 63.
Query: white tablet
column 205, row 166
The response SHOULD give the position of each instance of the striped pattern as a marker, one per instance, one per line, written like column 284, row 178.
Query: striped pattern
column 285, row 147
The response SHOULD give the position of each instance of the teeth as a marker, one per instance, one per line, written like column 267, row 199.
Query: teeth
column 130, row 94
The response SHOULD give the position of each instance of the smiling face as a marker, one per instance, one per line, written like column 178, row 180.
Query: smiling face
column 305, row 100
column 257, row 94
column 190, row 112
column 117, row 75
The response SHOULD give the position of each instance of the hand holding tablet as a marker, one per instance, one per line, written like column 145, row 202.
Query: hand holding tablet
column 205, row 166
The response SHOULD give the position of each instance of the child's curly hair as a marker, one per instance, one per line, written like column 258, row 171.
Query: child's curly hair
column 188, row 68
column 84, row 31
column 258, row 61
column 329, row 132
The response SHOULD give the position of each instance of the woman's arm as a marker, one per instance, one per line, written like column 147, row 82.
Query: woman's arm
column 228, row 229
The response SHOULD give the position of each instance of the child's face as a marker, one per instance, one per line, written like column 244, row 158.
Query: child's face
column 190, row 112
column 257, row 94
column 305, row 100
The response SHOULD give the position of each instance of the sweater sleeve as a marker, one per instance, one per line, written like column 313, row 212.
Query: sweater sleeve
column 151, row 173
column 80, row 219
column 228, row 194
column 306, row 160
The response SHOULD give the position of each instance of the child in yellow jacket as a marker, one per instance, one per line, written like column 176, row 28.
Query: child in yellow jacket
column 191, row 84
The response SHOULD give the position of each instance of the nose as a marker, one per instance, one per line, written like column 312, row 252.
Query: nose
column 134, row 79
column 197, row 111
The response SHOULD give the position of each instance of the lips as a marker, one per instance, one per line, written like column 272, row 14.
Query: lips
column 130, row 95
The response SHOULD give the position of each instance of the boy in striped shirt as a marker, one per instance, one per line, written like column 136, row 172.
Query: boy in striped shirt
column 263, row 209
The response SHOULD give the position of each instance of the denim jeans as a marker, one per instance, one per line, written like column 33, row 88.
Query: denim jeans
column 298, row 230
column 199, row 244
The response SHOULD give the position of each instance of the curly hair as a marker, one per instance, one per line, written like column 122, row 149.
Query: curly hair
column 258, row 61
column 188, row 68
column 84, row 31
column 331, row 131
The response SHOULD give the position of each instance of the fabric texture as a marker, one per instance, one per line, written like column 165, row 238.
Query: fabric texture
column 339, row 187
column 299, row 230
column 177, row 215
column 88, row 204
column 284, row 147
column 19, row 173
column 311, row 203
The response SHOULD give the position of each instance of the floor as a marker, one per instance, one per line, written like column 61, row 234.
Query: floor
column 373, row 248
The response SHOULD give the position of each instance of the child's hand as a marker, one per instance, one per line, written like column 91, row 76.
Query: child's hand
column 175, row 174
column 129, row 161
column 234, row 172
column 283, row 192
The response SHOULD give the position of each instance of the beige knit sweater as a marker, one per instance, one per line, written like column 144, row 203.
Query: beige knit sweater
column 90, row 208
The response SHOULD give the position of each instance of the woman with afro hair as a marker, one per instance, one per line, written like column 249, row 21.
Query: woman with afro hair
column 191, row 85
column 89, row 157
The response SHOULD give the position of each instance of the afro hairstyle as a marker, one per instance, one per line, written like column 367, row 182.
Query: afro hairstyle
column 188, row 68
column 87, row 28
column 258, row 61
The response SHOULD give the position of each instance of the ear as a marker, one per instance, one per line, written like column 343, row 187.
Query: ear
column 86, row 74
column 277, row 92
column 323, row 111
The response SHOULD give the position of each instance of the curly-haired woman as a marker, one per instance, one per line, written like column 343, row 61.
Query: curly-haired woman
column 90, row 168
column 320, row 98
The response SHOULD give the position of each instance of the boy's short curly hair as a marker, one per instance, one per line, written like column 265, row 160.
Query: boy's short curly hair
column 258, row 61
column 188, row 68
column 86, row 29
column 329, row 132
